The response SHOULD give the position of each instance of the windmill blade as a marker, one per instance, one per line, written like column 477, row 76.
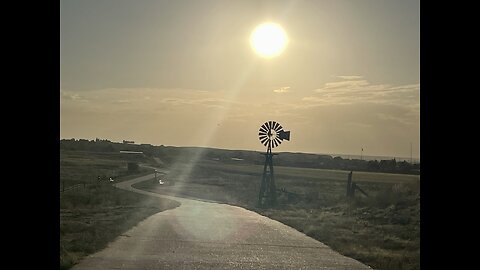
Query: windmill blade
column 278, row 140
column 270, row 124
column 277, row 143
column 262, row 133
column 263, row 128
column 275, row 126
column 262, row 140
column 262, row 137
column 278, row 128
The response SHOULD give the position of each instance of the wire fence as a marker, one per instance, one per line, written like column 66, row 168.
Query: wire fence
column 63, row 188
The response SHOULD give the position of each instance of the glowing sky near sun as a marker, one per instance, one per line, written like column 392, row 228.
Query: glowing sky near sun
column 184, row 73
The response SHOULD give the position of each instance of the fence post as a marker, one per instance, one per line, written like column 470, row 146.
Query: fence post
column 349, row 184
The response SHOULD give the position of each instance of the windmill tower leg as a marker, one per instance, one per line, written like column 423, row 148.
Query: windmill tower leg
column 272, row 187
column 268, row 189
column 263, row 185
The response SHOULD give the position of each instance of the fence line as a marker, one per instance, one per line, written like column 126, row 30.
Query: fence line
column 71, row 187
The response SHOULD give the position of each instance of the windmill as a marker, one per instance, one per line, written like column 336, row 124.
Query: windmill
column 271, row 134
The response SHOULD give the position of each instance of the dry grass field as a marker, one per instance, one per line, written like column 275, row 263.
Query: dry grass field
column 381, row 230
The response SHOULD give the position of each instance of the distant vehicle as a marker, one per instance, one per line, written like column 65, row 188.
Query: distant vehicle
column 161, row 182
column 111, row 180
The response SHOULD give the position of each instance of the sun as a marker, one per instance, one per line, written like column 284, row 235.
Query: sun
column 268, row 39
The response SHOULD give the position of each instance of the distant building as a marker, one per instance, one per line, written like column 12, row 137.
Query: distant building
column 128, row 142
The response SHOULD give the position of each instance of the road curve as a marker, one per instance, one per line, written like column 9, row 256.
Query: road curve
column 206, row 235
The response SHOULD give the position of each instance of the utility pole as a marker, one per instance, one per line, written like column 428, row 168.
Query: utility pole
column 361, row 154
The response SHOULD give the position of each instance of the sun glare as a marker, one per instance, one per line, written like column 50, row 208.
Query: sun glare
column 268, row 40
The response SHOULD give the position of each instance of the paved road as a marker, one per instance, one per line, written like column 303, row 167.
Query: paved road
column 206, row 235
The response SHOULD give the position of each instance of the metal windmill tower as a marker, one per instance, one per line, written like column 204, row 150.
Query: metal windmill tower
column 271, row 134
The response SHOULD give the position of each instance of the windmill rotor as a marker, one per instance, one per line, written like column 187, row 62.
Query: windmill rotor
column 271, row 134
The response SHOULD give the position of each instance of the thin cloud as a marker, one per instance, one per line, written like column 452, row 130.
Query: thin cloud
column 389, row 117
column 343, row 85
column 354, row 91
column 282, row 89
column 67, row 95
column 350, row 77
column 360, row 106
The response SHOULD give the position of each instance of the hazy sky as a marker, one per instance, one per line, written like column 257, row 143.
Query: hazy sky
column 183, row 73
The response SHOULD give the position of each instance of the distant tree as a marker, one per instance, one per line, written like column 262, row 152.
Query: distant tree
column 373, row 165
column 388, row 165
column 338, row 163
column 404, row 166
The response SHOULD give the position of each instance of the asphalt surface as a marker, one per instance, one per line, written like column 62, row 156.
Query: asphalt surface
column 207, row 235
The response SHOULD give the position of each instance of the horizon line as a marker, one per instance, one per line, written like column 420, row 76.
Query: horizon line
column 293, row 152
